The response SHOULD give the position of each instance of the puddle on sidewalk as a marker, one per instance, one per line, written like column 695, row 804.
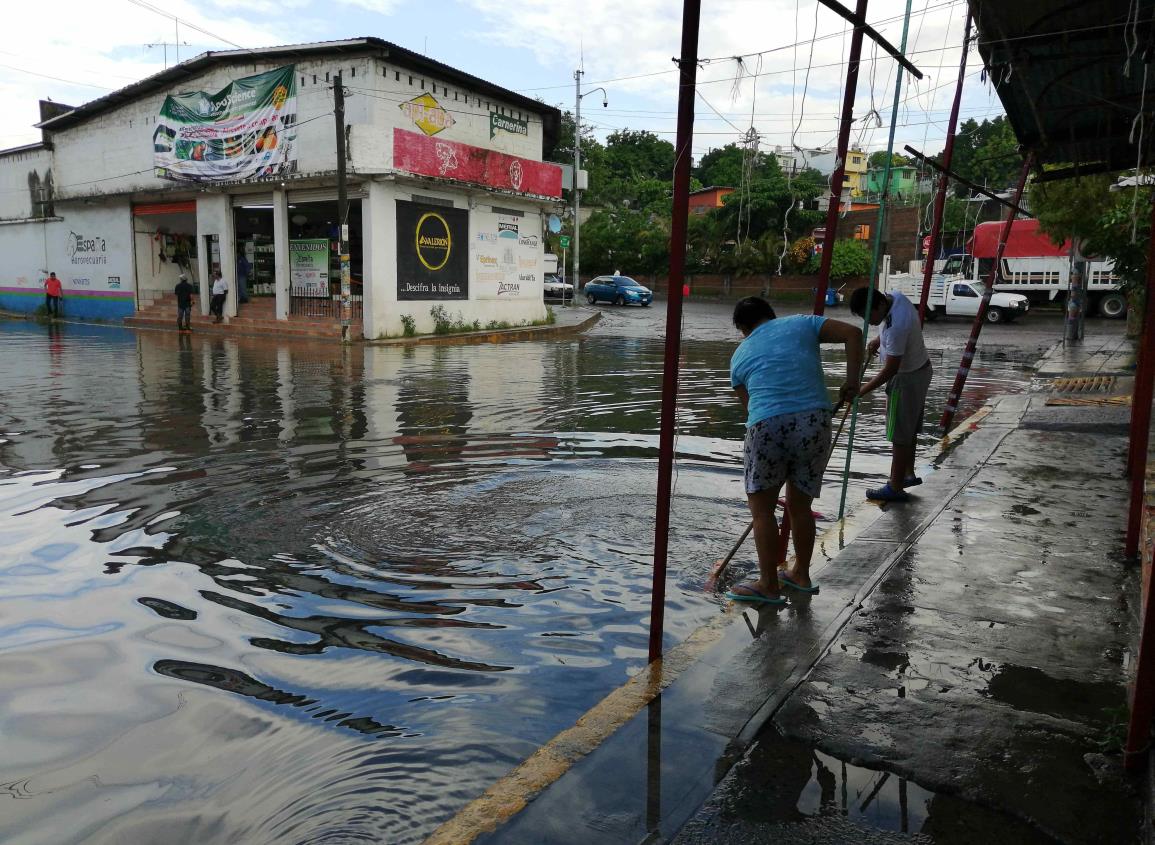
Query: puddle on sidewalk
column 786, row 791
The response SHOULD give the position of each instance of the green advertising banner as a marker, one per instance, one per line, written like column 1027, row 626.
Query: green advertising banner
column 309, row 267
column 507, row 124
column 246, row 130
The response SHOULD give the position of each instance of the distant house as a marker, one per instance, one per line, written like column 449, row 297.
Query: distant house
column 707, row 199
column 855, row 173
column 903, row 182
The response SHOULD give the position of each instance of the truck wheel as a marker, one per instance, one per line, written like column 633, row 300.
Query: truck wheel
column 1113, row 306
column 932, row 315
column 996, row 315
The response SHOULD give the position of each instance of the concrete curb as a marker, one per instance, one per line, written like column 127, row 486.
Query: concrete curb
column 511, row 335
column 493, row 336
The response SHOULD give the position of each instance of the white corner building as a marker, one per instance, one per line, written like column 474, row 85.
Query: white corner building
column 228, row 162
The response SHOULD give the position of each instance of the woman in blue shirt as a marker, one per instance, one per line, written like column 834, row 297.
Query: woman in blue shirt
column 777, row 373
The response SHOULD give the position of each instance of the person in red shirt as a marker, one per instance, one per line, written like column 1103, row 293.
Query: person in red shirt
column 53, row 294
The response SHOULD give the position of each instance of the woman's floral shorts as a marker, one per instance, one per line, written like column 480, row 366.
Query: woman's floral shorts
column 788, row 447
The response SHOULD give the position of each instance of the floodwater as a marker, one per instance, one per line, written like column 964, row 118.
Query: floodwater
column 267, row 593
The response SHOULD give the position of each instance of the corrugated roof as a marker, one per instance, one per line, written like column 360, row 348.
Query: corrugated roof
column 167, row 79
column 1070, row 74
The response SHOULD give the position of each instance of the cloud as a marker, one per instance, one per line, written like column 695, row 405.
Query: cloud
column 75, row 51
column 632, row 57
column 380, row 7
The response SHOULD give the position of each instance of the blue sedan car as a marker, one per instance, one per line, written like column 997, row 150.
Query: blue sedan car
column 619, row 290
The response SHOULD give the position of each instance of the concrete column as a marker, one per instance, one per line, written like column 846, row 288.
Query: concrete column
column 281, row 253
column 204, row 284
column 379, row 236
column 215, row 217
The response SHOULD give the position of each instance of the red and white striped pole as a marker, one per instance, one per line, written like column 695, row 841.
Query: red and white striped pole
column 964, row 367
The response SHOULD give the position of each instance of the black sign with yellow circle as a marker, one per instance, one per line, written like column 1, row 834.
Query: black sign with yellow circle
column 432, row 251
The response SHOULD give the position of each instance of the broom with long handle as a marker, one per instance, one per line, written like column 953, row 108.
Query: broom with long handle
column 719, row 567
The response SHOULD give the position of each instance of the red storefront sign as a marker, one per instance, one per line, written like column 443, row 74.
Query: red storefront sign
column 427, row 156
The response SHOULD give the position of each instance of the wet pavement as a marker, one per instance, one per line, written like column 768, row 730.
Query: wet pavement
column 290, row 593
column 961, row 677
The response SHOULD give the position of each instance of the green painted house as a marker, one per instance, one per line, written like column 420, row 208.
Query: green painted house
column 903, row 183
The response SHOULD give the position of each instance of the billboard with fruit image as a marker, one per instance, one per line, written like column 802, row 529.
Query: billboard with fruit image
column 247, row 130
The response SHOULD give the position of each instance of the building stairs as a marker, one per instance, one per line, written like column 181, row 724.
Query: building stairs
column 157, row 310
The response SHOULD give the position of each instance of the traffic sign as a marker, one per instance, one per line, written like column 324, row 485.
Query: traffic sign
column 565, row 241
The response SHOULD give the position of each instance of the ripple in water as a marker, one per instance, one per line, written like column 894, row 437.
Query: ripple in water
column 261, row 594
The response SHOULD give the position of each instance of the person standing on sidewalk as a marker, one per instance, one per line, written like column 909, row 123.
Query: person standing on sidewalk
column 906, row 373
column 220, row 293
column 53, row 294
column 184, row 303
column 777, row 373
column 244, row 269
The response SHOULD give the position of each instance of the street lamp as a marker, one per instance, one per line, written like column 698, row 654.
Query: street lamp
column 577, row 163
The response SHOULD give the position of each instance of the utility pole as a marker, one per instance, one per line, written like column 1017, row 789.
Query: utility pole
column 342, row 207
column 577, row 164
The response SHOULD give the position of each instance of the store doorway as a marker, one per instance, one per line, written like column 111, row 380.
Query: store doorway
column 314, row 260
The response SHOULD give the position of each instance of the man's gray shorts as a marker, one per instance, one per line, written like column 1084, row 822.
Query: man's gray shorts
column 906, row 402
column 788, row 447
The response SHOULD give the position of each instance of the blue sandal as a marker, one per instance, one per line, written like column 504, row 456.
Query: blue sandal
column 886, row 493
column 911, row 481
column 754, row 596
column 785, row 578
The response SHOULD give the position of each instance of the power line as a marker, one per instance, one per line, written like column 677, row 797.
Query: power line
column 144, row 4
column 751, row 55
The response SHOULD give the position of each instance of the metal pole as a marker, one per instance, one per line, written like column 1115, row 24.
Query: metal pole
column 1076, row 295
column 1143, row 690
column 836, row 178
column 876, row 254
column 964, row 367
column 577, row 164
column 1141, row 411
column 943, row 180
column 342, row 207
column 687, row 73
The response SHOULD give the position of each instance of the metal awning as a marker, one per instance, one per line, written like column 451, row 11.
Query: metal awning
column 1070, row 75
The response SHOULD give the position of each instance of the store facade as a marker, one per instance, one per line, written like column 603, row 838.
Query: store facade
column 228, row 162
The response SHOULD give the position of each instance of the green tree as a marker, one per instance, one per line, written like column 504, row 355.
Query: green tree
column 634, row 157
column 635, row 242
column 593, row 157
column 1087, row 209
column 722, row 167
column 877, row 160
column 985, row 153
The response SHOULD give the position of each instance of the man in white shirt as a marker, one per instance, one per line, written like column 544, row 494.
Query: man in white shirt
column 906, row 372
column 220, row 292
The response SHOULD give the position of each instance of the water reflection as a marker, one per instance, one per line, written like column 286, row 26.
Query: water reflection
column 231, row 569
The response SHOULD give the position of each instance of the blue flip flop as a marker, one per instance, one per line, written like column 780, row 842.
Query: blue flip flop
column 785, row 578
column 911, row 481
column 755, row 596
column 886, row 493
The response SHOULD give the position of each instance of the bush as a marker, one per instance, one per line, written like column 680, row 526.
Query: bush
column 442, row 324
column 851, row 258
column 409, row 325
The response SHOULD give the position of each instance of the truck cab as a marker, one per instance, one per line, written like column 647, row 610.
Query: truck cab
column 963, row 299
column 955, row 296
column 1034, row 266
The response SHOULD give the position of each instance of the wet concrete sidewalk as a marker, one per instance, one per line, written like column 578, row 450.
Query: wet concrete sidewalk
column 961, row 675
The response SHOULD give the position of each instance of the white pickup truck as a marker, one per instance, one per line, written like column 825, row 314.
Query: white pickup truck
column 957, row 297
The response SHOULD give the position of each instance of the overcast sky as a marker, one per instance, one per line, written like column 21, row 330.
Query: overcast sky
column 76, row 50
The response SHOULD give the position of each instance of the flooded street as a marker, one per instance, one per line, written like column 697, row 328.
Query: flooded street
column 259, row 592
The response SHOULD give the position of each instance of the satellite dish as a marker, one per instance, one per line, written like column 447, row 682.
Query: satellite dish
column 554, row 223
